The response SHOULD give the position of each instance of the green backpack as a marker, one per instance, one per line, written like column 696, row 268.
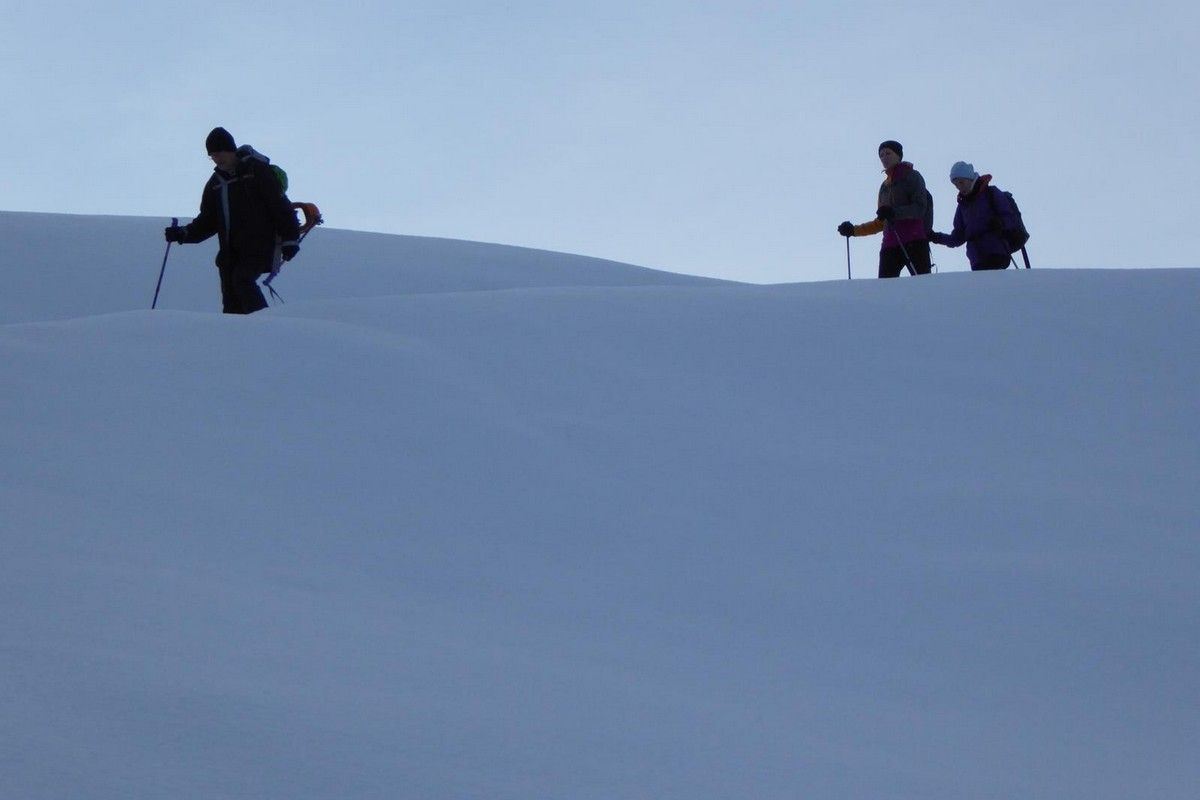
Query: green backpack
column 246, row 151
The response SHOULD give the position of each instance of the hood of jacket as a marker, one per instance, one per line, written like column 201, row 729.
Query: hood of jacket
column 981, row 183
column 898, row 171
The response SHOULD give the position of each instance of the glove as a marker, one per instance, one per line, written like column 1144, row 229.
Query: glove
column 846, row 228
column 996, row 225
column 289, row 251
column 175, row 234
column 885, row 213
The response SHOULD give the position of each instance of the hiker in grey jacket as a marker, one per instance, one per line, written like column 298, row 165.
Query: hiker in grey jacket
column 904, row 215
column 245, row 206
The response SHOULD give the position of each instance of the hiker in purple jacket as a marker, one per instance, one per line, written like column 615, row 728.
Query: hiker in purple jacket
column 983, row 213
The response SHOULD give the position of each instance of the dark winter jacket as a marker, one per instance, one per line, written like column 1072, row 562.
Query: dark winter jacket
column 973, row 222
column 903, row 190
column 249, row 212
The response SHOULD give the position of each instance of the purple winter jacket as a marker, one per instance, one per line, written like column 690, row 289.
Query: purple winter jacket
column 972, row 222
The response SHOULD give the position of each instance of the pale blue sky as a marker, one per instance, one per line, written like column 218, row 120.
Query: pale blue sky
column 712, row 138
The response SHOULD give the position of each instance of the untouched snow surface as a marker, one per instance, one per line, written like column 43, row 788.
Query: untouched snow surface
column 464, row 521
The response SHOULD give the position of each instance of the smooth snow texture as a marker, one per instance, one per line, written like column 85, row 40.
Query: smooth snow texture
column 461, row 521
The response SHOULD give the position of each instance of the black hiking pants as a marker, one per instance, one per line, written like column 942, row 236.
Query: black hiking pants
column 991, row 262
column 892, row 260
column 240, row 293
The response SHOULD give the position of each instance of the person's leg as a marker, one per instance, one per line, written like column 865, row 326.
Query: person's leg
column 991, row 262
column 921, row 258
column 229, row 300
column 891, row 261
column 240, row 293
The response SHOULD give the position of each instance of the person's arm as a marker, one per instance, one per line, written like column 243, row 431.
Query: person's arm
column 956, row 237
column 206, row 222
column 869, row 228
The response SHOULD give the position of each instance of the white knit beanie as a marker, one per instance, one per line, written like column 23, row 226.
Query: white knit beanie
column 962, row 169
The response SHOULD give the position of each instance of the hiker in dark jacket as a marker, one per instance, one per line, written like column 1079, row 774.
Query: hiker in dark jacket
column 245, row 206
column 904, row 215
column 984, row 213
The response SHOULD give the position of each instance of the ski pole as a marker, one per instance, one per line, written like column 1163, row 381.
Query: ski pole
column 267, row 283
column 908, row 262
column 161, row 272
column 312, row 218
column 848, row 259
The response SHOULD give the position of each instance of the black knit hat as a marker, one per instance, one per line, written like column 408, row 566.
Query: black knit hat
column 894, row 146
column 220, row 141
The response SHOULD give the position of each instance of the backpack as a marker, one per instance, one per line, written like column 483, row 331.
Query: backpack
column 310, row 212
column 1016, row 237
column 928, row 213
column 246, row 151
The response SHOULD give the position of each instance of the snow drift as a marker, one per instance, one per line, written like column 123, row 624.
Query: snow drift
column 468, row 521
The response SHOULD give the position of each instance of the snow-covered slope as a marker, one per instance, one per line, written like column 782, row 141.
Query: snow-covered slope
column 624, row 535
column 58, row 266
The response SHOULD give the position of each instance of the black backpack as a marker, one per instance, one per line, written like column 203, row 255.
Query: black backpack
column 1016, row 237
